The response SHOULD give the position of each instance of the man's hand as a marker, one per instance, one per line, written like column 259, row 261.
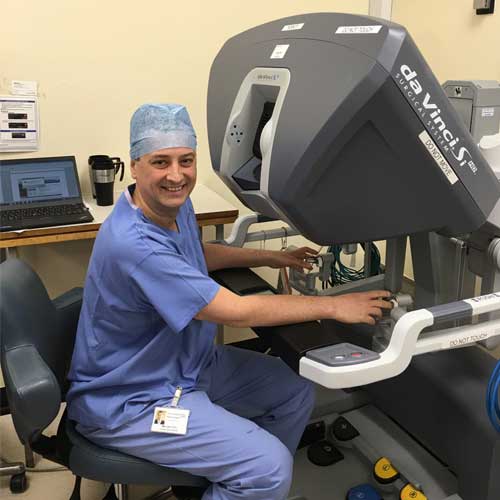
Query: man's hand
column 294, row 258
column 362, row 307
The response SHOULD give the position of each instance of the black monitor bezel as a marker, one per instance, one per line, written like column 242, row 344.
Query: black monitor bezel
column 37, row 159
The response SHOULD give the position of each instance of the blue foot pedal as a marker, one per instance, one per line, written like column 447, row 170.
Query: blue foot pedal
column 363, row 492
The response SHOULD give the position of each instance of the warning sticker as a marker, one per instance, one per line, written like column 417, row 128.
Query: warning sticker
column 279, row 51
column 358, row 30
column 487, row 111
column 292, row 27
column 438, row 157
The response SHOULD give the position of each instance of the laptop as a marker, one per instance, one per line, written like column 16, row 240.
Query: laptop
column 40, row 192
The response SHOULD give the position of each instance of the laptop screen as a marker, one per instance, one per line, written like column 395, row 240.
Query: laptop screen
column 40, row 181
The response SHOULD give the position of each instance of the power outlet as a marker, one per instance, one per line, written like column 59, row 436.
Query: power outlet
column 484, row 6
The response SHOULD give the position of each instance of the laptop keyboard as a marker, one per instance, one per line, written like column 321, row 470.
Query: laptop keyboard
column 40, row 216
column 27, row 213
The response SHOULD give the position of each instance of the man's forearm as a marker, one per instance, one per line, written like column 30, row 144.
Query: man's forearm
column 281, row 310
column 266, row 310
column 223, row 256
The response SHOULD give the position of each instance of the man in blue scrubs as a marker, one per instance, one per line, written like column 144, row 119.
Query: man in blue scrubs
column 147, row 327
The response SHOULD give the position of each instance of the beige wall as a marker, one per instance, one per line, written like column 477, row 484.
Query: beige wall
column 457, row 43
column 96, row 61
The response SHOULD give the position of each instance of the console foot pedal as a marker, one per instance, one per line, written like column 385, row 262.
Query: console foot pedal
column 324, row 453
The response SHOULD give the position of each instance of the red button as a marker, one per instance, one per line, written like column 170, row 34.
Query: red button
column 356, row 354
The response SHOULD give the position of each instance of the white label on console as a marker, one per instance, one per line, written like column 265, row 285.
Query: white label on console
column 438, row 157
column 358, row 30
column 292, row 27
column 279, row 51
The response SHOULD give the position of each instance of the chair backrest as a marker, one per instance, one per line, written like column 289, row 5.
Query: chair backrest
column 36, row 344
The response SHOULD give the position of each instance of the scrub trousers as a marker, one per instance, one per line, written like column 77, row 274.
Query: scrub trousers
column 244, row 427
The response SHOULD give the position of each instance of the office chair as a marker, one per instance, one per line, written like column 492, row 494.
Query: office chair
column 37, row 337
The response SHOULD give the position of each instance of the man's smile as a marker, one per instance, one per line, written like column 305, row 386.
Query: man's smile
column 173, row 189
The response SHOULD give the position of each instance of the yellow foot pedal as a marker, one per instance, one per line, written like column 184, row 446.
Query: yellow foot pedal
column 385, row 472
column 409, row 492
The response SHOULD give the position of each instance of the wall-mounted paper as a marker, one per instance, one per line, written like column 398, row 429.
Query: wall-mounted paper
column 19, row 124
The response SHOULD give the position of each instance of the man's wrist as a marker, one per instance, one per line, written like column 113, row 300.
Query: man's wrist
column 332, row 307
column 270, row 257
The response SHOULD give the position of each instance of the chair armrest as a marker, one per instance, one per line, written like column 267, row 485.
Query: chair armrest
column 32, row 389
column 67, row 307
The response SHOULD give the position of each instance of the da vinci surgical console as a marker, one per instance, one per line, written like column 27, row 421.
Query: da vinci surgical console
column 297, row 113
column 303, row 108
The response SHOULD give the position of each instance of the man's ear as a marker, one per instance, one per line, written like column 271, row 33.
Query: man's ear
column 133, row 164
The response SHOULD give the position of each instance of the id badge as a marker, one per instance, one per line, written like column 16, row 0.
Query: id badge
column 170, row 420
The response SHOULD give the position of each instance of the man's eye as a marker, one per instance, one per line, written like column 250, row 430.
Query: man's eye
column 159, row 163
column 187, row 161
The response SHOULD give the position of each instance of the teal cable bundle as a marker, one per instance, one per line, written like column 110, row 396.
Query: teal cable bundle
column 341, row 274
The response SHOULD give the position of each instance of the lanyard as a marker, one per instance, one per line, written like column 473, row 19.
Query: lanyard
column 177, row 396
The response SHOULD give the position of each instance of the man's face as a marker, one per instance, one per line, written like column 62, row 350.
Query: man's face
column 165, row 179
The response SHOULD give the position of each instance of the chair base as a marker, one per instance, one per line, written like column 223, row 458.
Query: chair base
column 17, row 471
column 11, row 468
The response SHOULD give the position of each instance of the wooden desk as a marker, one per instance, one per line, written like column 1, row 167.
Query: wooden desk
column 211, row 210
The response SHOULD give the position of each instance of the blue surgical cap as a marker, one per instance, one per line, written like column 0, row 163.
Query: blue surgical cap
column 159, row 126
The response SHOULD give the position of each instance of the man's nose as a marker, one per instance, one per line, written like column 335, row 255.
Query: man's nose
column 174, row 173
